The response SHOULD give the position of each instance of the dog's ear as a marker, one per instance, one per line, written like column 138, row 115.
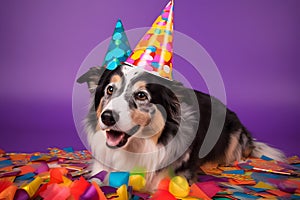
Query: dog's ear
column 91, row 77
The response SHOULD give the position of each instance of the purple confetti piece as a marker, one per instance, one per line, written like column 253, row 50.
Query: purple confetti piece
column 90, row 194
column 144, row 196
column 287, row 187
column 82, row 165
column 108, row 190
column 43, row 167
column 206, row 178
column 21, row 195
column 101, row 175
column 15, row 172
column 52, row 159
column 287, row 166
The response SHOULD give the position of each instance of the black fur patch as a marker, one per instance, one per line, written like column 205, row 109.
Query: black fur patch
column 103, row 82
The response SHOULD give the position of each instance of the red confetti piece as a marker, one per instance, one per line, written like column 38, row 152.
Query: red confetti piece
column 55, row 191
column 78, row 187
column 195, row 191
column 4, row 184
column 56, row 176
column 164, row 184
column 26, row 169
column 162, row 194
column 278, row 193
column 210, row 188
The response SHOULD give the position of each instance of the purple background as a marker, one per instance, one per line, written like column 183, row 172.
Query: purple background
column 255, row 45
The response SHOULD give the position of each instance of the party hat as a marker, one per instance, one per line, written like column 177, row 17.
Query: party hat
column 154, row 52
column 118, row 49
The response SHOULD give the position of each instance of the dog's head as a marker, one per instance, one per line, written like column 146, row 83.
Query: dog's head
column 131, row 103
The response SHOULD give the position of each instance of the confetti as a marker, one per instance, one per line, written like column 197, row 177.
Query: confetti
column 195, row 191
column 137, row 182
column 210, row 188
column 58, row 174
column 117, row 179
column 179, row 187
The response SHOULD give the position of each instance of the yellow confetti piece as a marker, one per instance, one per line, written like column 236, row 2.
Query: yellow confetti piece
column 33, row 186
column 44, row 175
column 264, row 185
column 122, row 193
column 179, row 187
column 137, row 182
column 189, row 198
column 66, row 182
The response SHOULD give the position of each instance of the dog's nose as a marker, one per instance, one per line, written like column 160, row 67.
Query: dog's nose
column 109, row 118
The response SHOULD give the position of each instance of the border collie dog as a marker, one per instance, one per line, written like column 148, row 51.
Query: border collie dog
column 140, row 120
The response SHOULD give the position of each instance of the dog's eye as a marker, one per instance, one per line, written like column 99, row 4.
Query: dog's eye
column 110, row 90
column 141, row 96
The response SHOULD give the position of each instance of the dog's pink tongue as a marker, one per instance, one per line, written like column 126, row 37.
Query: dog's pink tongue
column 114, row 140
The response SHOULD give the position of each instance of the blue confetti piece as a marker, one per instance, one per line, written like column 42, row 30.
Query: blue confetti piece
column 68, row 149
column 5, row 163
column 245, row 166
column 117, row 179
column 256, row 189
column 296, row 165
column 33, row 158
column 266, row 158
column 239, row 171
column 264, row 177
column 295, row 196
column 24, row 177
column 136, row 198
column 244, row 196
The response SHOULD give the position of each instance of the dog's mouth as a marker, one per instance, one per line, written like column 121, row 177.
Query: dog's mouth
column 117, row 139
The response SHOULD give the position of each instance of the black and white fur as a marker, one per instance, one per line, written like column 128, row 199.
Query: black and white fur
column 162, row 131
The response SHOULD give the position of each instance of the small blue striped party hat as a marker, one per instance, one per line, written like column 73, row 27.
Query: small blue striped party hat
column 118, row 49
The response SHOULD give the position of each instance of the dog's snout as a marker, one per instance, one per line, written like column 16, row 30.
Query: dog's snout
column 109, row 118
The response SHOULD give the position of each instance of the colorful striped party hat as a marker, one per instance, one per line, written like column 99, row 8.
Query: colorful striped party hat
column 154, row 52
